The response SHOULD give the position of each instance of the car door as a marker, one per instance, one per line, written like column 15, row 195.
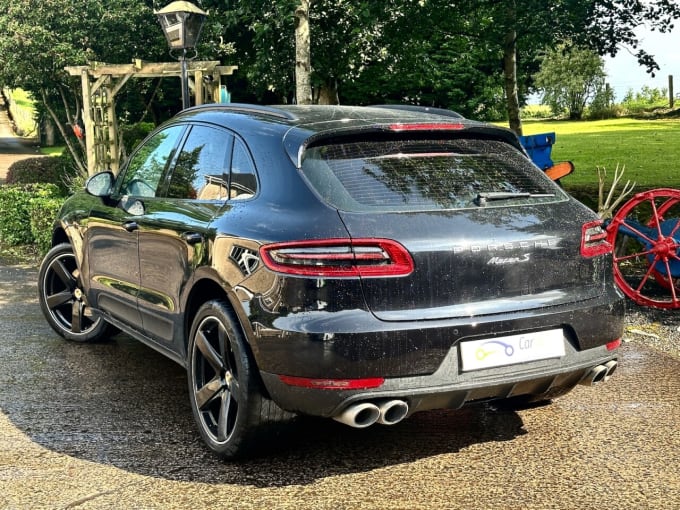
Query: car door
column 175, row 233
column 112, row 232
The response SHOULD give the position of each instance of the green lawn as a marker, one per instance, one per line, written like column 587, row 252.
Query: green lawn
column 649, row 149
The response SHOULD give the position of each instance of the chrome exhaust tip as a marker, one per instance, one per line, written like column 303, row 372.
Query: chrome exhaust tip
column 392, row 411
column 611, row 367
column 594, row 375
column 360, row 415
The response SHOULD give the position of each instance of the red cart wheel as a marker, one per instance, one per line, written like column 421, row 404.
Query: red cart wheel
column 645, row 234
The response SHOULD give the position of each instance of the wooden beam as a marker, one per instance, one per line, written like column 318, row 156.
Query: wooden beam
column 112, row 77
column 151, row 70
column 119, row 85
column 96, row 85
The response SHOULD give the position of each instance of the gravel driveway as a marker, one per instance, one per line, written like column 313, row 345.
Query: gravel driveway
column 653, row 327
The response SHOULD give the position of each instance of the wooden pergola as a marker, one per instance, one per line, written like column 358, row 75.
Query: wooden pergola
column 101, row 82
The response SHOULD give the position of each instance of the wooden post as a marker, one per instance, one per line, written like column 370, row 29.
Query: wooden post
column 88, row 121
column 112, row 163
column 198, row 87
column 671, row 95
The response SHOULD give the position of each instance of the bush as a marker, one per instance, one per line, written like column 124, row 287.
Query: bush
column 645, row 100
column 598, row 112
column 17, row 206
column 51, row 170
column 536, row 111
column 43, row 212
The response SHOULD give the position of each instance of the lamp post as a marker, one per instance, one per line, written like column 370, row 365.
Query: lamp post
column 182, row 22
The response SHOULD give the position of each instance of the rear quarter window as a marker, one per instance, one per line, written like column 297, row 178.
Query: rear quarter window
column 412, row 175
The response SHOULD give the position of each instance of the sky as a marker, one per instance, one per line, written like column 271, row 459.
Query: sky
column 624, row 73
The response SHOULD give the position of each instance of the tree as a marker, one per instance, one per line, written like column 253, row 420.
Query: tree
column 303, row 57
column 469, row 55
column 341, row 42
column 570, row 77
column 521, row 29
column 42, row 37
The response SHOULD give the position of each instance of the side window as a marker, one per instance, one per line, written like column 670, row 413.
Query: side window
column 145, row 169
column 201, row 171
column 243, row 177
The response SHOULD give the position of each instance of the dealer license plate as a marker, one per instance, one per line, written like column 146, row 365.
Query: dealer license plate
column 509, row 350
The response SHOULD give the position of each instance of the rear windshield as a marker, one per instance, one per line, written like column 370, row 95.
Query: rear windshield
column 422, row 175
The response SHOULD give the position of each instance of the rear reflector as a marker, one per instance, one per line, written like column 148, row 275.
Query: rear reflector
column 428, row 126
column 594, row 239
column 614, row 345
column 339, row 258
column 333, row 384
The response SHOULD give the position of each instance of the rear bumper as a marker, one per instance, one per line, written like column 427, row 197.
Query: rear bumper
column 352, row 343
column 421, row 362
column 447, row 388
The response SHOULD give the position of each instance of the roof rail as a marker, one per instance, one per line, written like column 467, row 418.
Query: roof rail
column 270, row 111
column 421, row 109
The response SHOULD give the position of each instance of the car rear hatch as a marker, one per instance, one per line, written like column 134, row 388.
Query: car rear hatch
column 487, row 231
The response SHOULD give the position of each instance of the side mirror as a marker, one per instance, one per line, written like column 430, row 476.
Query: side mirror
column 100, row 185
column 132, row 206
column 559, row 170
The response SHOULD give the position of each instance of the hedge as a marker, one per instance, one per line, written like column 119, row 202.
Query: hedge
column 57, row 170
column 43, row 212
column 28, row 212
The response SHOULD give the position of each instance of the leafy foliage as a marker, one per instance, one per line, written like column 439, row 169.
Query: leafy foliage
column 17, row 204
column 41, row 37
column 475, row 56
column 570, row 78
column 42, row 212
column 53, row 170
column 647, row 98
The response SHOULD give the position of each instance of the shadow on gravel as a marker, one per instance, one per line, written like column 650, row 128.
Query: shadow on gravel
column 122, row 404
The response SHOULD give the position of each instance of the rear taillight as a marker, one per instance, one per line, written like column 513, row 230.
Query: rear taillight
column 613, row 345
column 339, row 258
column 333, row 384
column 594, row 239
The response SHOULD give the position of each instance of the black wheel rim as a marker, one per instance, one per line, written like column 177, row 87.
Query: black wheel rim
column 63, row 296
column 215, row 380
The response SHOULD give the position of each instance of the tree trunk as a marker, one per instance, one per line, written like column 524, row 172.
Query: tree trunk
column 303, row 57
column 82, row 168
column 510, row 75
column 47, row 138
column 328, row 93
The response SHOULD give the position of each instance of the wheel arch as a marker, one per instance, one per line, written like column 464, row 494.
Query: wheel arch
column 59, row 236
column 208, row 289
column 202, row 291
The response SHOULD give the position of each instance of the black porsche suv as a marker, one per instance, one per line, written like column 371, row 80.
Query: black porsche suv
column 355, row 263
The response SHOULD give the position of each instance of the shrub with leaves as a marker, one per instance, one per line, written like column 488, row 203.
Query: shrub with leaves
column 16, row 205
column 43, row 212
column 53, row 170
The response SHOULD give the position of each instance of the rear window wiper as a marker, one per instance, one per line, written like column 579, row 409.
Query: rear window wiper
column 494, row 196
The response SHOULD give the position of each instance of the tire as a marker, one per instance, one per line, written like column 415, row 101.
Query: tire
column 61, row 296
column 224, row 384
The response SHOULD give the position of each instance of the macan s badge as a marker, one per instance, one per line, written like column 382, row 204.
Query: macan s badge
column 502, row 261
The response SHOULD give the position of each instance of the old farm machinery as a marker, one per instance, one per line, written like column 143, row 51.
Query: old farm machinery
column 644, row 232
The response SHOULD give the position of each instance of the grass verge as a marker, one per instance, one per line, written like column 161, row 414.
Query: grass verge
column 649, row 150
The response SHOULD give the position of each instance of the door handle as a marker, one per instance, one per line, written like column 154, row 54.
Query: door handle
column 130, row 226
column 192, row 238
